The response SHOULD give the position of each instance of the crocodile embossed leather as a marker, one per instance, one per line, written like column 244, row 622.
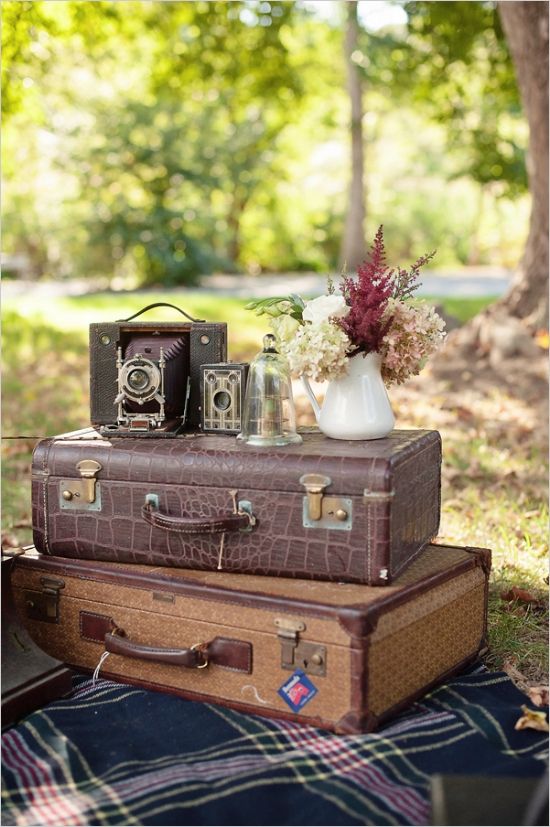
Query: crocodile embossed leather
column 356, row 512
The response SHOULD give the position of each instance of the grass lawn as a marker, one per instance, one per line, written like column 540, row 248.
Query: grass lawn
column 494, row 470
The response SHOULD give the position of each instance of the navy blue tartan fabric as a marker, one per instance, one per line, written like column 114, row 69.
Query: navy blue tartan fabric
column 115, row 754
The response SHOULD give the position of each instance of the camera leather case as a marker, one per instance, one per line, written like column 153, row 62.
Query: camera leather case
column 131, row 360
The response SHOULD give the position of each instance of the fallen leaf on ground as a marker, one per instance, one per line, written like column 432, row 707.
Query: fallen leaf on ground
column 9, row 540
column 532, row 720
column 515, row 609
column 513, row 672
column 515, row 593
column 542, row 339
column 539, row 695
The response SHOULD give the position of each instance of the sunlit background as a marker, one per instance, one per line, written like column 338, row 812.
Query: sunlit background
column 147, row 143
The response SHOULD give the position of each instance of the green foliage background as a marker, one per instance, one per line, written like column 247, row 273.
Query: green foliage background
column 152, row 142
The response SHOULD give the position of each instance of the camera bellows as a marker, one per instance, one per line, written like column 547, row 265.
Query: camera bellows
column 176, row 369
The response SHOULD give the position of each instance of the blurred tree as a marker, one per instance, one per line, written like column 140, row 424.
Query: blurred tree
column 457, row 66
column 168, row 167
column 526, row 27
column 353, row 243
column 166, row 139
column 451, row 64
column 502, row 337
column 244, row 103
column 20, row 47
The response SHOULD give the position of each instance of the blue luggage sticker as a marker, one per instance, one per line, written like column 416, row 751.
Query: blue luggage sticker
column 298, row 690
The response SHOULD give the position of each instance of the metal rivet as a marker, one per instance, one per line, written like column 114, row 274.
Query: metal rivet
column 105, row 339
column 341, row 515
column 205, row 340
column 67, row 495
column 317, row 659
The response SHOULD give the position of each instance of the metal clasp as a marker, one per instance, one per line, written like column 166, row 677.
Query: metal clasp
column 315, row 485
column 88, row 469
column 296, row 654
column 82, row 493
column 44, row 605
column 322, row 511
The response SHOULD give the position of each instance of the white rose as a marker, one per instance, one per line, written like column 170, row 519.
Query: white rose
column 324, row 308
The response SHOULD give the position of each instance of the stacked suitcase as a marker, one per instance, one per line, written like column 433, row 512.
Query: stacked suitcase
column 298, row 582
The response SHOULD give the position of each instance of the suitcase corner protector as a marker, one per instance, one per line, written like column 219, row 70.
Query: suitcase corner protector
column 354, row 723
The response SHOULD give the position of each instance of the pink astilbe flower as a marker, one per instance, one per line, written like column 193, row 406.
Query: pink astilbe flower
column 405, row 282
column 366, row 324
column 373, row 314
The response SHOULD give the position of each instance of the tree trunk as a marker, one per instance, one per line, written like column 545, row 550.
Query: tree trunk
column 238, row 203
column 525, row 25
column 353, row 247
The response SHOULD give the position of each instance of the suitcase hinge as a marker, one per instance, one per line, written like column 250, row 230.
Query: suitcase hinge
column 82, row 493
column 321, row 511
column 296, row 654
column 44, row 605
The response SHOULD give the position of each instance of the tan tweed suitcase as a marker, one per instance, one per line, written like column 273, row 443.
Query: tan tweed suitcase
column 337, row 656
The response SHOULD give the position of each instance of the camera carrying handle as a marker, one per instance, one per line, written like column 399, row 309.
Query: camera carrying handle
column 161, row 304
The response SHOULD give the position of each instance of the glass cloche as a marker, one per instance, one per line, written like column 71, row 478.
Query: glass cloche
column 269, row 417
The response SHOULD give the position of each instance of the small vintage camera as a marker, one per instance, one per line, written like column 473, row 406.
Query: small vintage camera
column 222, row 397
column 145, row 376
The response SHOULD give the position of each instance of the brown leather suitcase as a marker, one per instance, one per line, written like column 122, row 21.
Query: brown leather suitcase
column 327, row 509
column 30, row 677
column 338, row 656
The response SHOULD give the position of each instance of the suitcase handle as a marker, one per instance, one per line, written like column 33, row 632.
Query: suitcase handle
column 196, row 657
column 160, row 304
column 227, row 653
column 219, row 524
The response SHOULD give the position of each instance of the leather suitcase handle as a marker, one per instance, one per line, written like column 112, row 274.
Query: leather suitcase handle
column 235, row 655
column 196, row 525
column 192, row 658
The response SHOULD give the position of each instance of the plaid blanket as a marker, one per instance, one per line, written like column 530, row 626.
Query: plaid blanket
column 115, row 754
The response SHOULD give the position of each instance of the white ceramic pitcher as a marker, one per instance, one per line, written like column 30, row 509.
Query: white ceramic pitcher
column 357, row 405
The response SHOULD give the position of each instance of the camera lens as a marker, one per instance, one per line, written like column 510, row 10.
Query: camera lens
column 222, row 400
column 138, row 379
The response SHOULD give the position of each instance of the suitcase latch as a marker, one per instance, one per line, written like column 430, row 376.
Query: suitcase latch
column 297, row 654
column 83, row 493
column 44, row 605
column 322, row 511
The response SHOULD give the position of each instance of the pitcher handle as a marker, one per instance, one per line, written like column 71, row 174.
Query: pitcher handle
column 312, row 398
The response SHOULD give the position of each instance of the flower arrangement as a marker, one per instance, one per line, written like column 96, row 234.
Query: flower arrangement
column 373, row 313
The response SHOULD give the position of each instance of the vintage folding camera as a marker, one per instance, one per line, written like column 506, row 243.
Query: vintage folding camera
column 145, row 376
column 223, row 388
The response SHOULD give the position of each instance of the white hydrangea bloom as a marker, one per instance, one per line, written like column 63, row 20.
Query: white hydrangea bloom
column 318, row 351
